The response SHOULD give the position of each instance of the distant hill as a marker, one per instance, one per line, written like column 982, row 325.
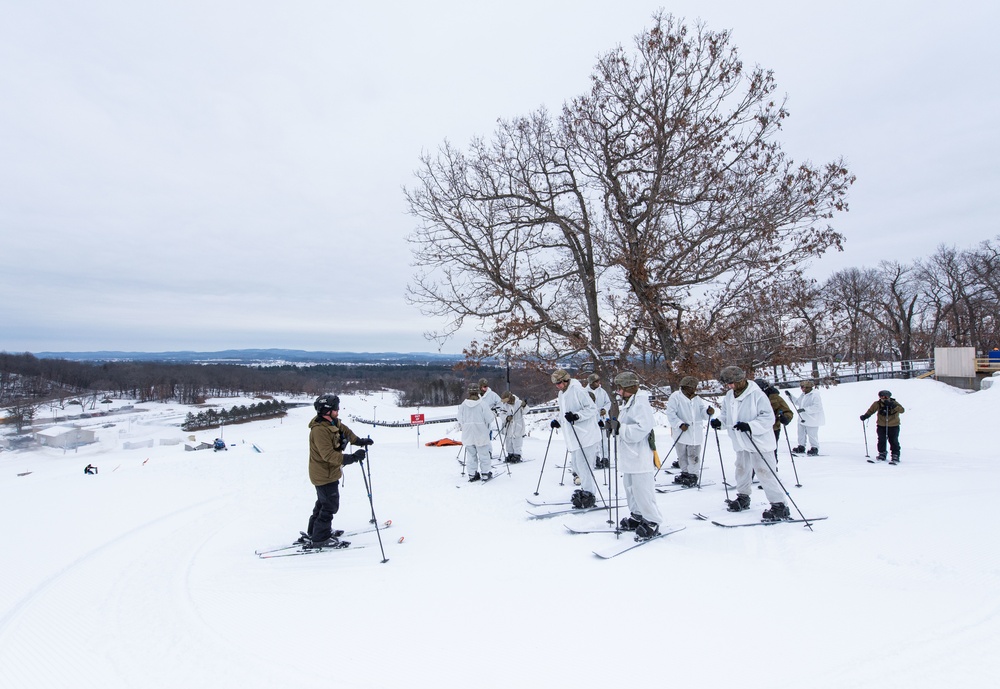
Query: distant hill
column 260, row 356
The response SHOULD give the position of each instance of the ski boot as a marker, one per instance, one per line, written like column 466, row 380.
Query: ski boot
column 514, row 459
column 629, row 523
column 742, row 502
column 331, row 542
column 813, row 451
column 582, row 499
column 675, row 464
column 895, row 459
column 646, row 530
column 798, row 449
column 775, row 513
column 488, row 476
column 475, row 477
column 880, row 457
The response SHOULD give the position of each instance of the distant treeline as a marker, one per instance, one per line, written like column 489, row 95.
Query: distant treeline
column 27, row 377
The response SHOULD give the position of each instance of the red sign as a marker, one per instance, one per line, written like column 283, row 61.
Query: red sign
column 416, row 418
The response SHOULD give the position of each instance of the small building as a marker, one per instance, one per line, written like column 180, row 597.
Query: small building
column 64, row 436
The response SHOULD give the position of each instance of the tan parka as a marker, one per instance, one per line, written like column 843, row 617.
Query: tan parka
column 325, row 459
column 880, row 418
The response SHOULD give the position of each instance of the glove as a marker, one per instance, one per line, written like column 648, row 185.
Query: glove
column 784, row 418
column 571, row 417
column 891, row 404
column 710, row 411
column 600, row 423
column 554, row 423
column 510, row 417
column 364, row 442
column 684, row 426
column 612, row 426
column 864, row 417
column 716, row 424
column 802, row 411
column 742, row 426
column 355, row 456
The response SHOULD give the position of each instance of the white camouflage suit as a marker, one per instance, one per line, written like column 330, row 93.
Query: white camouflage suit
column 635, row 456
column 514, row 428
column 693, row 412
column 583, row 451
column 811, row 417
column 475, row 421
column 753, row 407
column 603, row 402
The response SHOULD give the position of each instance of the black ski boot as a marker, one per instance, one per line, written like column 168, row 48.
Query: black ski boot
column 895, row 459
column 880, row 457
column 514, row 459
column 742, row 502
column 582, row 499
column 646, row 530
column 475, row 477
column 775, row 513
column 331, row 542
column 629, row 523
column 489, row 475
column 799, row 449
column 813, row 451
column 675, row 464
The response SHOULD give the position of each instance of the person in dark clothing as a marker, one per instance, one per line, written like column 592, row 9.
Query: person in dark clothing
column 887, row 412
column 90, row 469
column 782, row 412
column 328, row 438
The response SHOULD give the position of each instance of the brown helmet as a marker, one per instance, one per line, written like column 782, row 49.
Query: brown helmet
column 560, row 375
column 732, row 374
column 689, row 382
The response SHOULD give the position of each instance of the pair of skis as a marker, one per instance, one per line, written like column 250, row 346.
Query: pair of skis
column 626, row 543
column 300, row 549
column 762, row 522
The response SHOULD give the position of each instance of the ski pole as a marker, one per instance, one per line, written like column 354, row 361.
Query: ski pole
column 721, row 463
column 791, row 456
column 371, row 503
column 775, row 475
column 562, row 479
column 864, row 429
column 664, row 460
column 544, row 459
column 704, row 449
column 617, row 523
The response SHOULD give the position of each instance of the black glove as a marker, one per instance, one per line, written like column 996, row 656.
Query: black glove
column 571, row 417
column 864, row 417
column 802, row 411
column 891, row 404
column 554, row 423
column 716, row 424
column 742, row 426
column 364, row 442
column 353, row 457
column 601, row 423
column 710, row 411
column 612, row 426
column 684, row 426
column 784, row 418
column 510, row 417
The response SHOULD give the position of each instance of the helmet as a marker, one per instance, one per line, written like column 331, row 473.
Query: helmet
column 884, row 393
column 507, row 396
column 806, row 385
column 593, row 378
column 474, row 392
column 483, row 383
column 560, row 375
column 761, row 383
column 689, row 382
column 732, row 374
column 627, row 379
column 326, row 403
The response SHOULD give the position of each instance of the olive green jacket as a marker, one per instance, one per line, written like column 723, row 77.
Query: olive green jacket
column 880, row 418
column 779, row 407
column 325, row 450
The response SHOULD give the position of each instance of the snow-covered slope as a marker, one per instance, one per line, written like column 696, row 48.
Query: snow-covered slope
column 145, row 575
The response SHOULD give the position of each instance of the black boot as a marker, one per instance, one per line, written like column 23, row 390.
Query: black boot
column 799, row 449
column 742, row 502
column 646, row 530
column 775, row 513
column 880, row 456
column 582, row 499
column 475, row 477
column 895, row 459
column 629, row 523
column 813, row 451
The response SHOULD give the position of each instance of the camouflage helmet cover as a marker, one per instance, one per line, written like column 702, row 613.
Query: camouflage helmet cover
column 627, row 379
column 732, row 374
column 689, row 382
column 560, row 375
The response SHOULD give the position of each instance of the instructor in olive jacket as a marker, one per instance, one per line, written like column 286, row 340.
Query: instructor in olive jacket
column 328, row 438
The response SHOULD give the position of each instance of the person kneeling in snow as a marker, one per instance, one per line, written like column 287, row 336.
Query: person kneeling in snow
column 328, row 438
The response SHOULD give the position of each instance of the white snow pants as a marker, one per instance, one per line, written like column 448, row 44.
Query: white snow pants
column 583, row 466
column 689, row 458
column 810, row 434
column 477, row 458
column 513, row 441
column 641, row 496
column 746, row 464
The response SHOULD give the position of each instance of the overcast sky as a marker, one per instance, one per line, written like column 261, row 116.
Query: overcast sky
column 228, row 173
